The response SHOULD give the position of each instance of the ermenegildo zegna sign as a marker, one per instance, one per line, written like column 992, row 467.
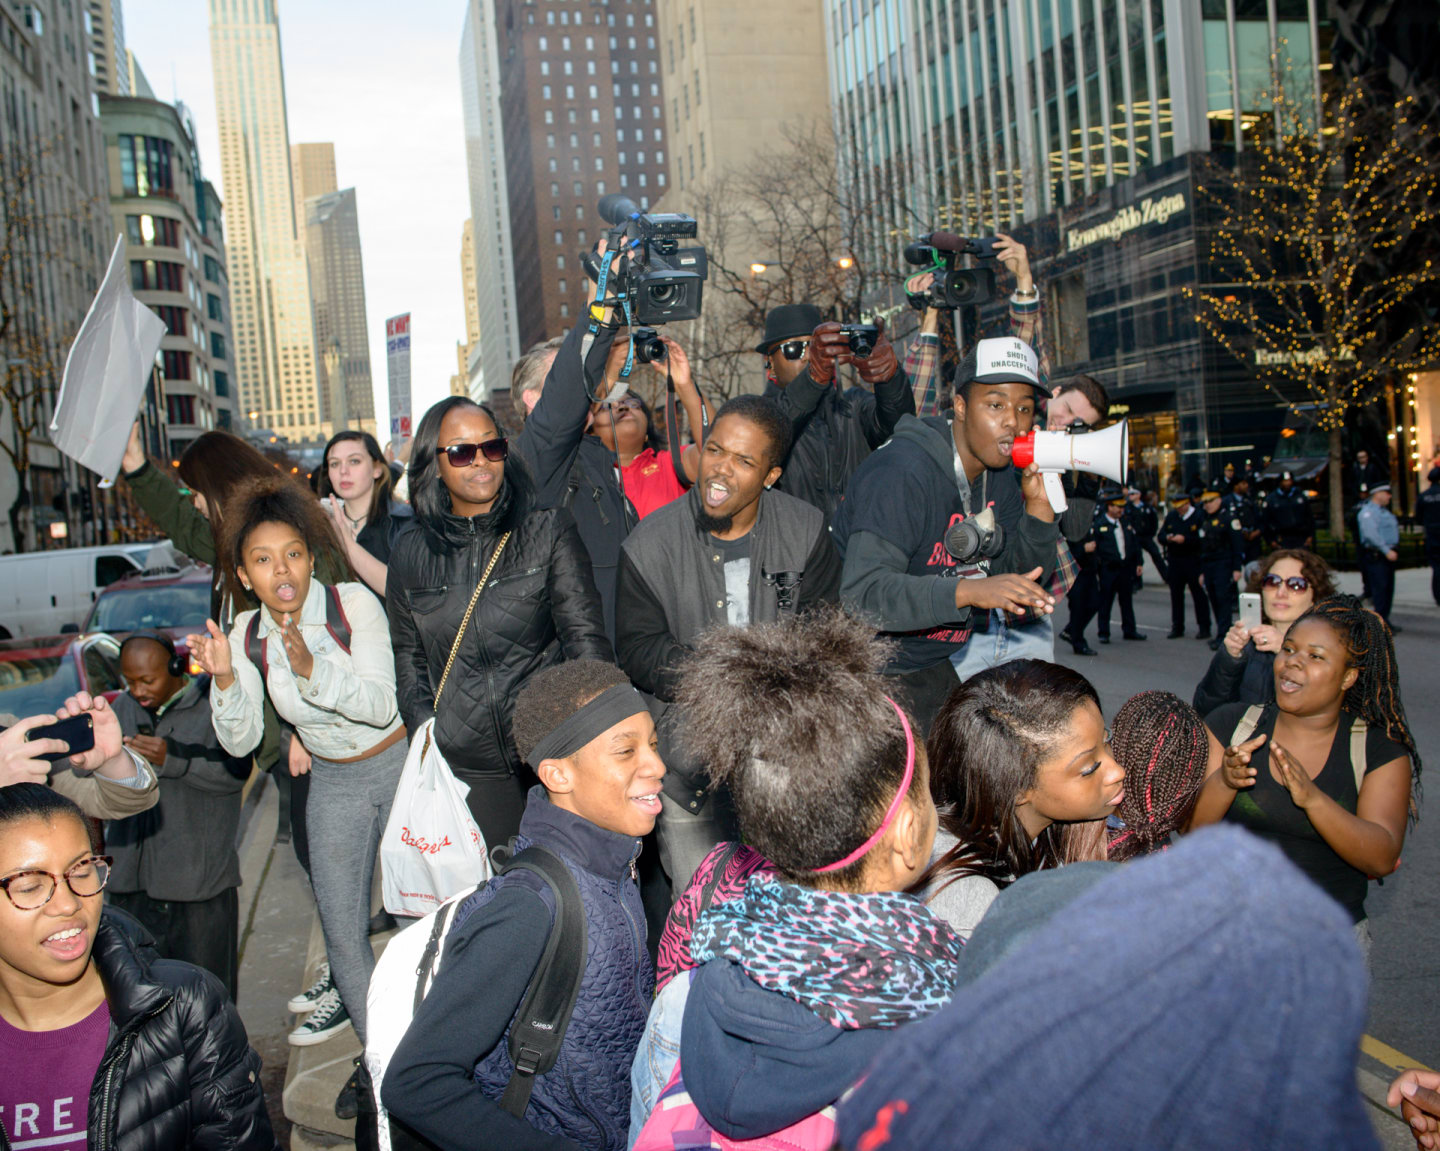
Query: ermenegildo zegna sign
column 1150, row 210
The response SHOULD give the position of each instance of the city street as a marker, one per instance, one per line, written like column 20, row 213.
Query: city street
column 1405, row 991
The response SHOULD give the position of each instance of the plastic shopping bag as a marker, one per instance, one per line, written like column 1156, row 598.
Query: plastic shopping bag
column 431, row 848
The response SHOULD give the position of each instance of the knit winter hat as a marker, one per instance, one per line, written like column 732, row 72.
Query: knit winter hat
column 1209, row 997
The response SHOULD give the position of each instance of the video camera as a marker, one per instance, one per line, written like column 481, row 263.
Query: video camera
column 954, row 287
column 659, row 280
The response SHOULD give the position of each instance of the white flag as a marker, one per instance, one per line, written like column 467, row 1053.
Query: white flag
column 106, row 373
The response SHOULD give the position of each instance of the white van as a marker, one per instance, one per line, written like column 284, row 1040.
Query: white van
column 45, row 593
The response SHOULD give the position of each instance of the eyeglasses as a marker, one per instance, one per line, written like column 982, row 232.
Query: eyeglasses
column 463, row 455
column 1294, row 583
column 32, row 890
column 794, row 349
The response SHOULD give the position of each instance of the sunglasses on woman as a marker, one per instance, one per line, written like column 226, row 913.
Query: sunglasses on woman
column 1294, row 583
column 794, row 349
column 463, row 455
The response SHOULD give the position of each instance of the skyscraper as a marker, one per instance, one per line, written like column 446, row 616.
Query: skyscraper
column 468, row 349
column 337, row 290
column 583, row 111
column 494, row 276
column 107, row 58
column 269, row 285
column 312, row 172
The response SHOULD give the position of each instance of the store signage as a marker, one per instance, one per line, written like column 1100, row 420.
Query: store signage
column 1151, row 210
column 397, row 362
column 1311, row 357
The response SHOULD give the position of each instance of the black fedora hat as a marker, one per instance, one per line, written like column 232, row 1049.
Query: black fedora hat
column 788, row 322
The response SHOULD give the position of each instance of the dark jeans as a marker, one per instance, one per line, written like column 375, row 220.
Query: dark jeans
column 1380, row 578
column 1220, row 589
column 1185, row 573
column 1117, row 579
column 205, row 932
column 1432, row 555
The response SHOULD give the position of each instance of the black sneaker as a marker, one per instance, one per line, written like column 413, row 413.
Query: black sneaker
column 308, row 999
column 328, row 1019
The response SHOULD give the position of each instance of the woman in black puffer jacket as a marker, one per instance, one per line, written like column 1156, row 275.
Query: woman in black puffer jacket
column 539, row 606
column 100, row 1039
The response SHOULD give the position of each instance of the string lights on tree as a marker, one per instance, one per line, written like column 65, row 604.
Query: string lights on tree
column 1323, row 255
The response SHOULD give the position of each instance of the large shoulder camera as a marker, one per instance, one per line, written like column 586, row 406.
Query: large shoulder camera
column 657, row 278
column 954, row 286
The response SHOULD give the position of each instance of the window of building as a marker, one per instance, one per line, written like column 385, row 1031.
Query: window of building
column 599, row 163
column 579, row 211
column 559, row 236
column 563, row 284
column 650, row 42
column 614, row 43
column 653, row 68
column 621, row 158
column 544, row 67
column 212, row 269
column 580, row 237
column 145, row 166
column 555, row 210
column 571, row 114
column 176, row 366
column 549, row 116
column 654, row 112
column 544, row 43
column 173, row 318
column 554, row 164
column 702, row 149
column 222, row 389
column 565, row 43
column 549, row 139
column 574, row 139
column 569, row 91
column 180, row 409
column 634, row 67
column 589, row 43
column 595, row 138
column 554, row 189
column 629, row 19
column 590, row 67
column 594, row 92
column 630, row 42
column 599, row 187
column 579, row 188
column 564, row 17
column 657, row 135
column 642, row 179
column 569, row 67
column 619, row 135
column 594, row 115
column 157, row 276
column 624, row 180
column 574, row 163
column 649, row 20
column 655, row 91
column 214, row 309
column 564, row 310
column 560, row 261
column 544, row 91
column 217, row 346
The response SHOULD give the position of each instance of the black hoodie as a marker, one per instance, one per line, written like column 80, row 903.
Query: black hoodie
column 891, row 532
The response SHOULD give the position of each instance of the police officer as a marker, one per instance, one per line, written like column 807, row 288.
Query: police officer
column 1430, row 519
column 1286, row 519
column 1143, row 521
column 1181, row 532
column 1221, row 558
column 1245, row 513
column 1120, row 562
column 1380, row 549
column 1084, row 595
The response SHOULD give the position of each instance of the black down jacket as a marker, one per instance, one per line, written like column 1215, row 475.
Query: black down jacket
column 178, row 1070
column 539, row 607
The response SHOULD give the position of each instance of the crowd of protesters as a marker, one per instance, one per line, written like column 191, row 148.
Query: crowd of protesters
column 804, row 663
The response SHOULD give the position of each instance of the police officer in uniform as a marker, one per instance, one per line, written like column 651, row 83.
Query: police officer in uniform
column 1084, row 595
column 1221, row 558
column 1120, row 562
column 1181, row 532
column 1286, row 519
column 1143, row 522
column 1429, row 510
column 1242, row 507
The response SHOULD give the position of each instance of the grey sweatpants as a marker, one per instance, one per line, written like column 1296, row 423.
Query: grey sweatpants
column 346, row 814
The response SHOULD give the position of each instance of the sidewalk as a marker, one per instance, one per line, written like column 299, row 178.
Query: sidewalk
column 280, row 945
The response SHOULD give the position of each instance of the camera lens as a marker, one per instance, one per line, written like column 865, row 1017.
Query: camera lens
column 663, row 293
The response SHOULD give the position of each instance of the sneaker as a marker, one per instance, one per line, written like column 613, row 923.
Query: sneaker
column 308, row 999
column 329, row 1018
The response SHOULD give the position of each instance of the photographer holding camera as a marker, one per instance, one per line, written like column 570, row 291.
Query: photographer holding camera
column 834, row 431
column 941, row 522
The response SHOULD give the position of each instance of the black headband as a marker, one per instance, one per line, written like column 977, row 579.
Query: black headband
column 595, row 718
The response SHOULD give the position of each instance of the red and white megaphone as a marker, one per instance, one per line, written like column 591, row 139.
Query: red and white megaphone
column 1103, row 453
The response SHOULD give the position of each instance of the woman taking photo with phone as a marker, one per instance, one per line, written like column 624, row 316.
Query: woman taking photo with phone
column 101, row 1042
column 488, row 591
column 355, row 489
column 1290, row 582
column 1329, row 771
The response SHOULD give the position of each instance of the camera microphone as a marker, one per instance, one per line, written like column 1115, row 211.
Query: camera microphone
column 616, row 208
column 946, row 241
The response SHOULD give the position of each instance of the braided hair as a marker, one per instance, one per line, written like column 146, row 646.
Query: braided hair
column 1375, row 694
column 1164, row 747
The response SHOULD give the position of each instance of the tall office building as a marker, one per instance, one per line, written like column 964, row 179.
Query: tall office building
column 582, row 105
column 1081, row 129
column 105, row 47
column 730, row 93
column 337, row 289
column 171, row 218
column 269, row 285
column 50, row 268
column 312, row 173
column 468, row 349
column 493, row 277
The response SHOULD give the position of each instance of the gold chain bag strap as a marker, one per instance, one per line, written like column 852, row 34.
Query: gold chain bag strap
column 464, row 623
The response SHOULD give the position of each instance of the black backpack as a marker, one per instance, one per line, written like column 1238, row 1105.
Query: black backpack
column 543, row 1017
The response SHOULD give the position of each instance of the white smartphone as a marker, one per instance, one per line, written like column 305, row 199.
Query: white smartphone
column 1250, row 617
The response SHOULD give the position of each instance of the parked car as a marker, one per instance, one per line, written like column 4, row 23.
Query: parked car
column 172, row 600
column 37, row 675
column 50, row 592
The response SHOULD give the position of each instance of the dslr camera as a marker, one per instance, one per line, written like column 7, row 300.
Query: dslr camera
column 861, row 338
column 954, row 286
column 659, row 279
column 649, row 347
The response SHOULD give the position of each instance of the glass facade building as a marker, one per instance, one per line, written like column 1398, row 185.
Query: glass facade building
column 1076, row 125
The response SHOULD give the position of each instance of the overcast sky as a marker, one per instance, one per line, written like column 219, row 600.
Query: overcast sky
column 381, row 80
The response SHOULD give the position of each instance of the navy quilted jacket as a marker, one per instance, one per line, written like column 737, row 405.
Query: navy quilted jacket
column 449, row 1072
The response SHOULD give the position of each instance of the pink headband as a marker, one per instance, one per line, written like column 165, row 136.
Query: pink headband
column 885, row 823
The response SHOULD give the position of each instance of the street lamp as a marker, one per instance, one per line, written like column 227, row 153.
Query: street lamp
column 758, row 269
column 846, row 262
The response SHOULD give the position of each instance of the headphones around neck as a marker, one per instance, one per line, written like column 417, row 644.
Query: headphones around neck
column 178, row 663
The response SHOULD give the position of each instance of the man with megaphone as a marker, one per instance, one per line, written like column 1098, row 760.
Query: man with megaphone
column 939, row 527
